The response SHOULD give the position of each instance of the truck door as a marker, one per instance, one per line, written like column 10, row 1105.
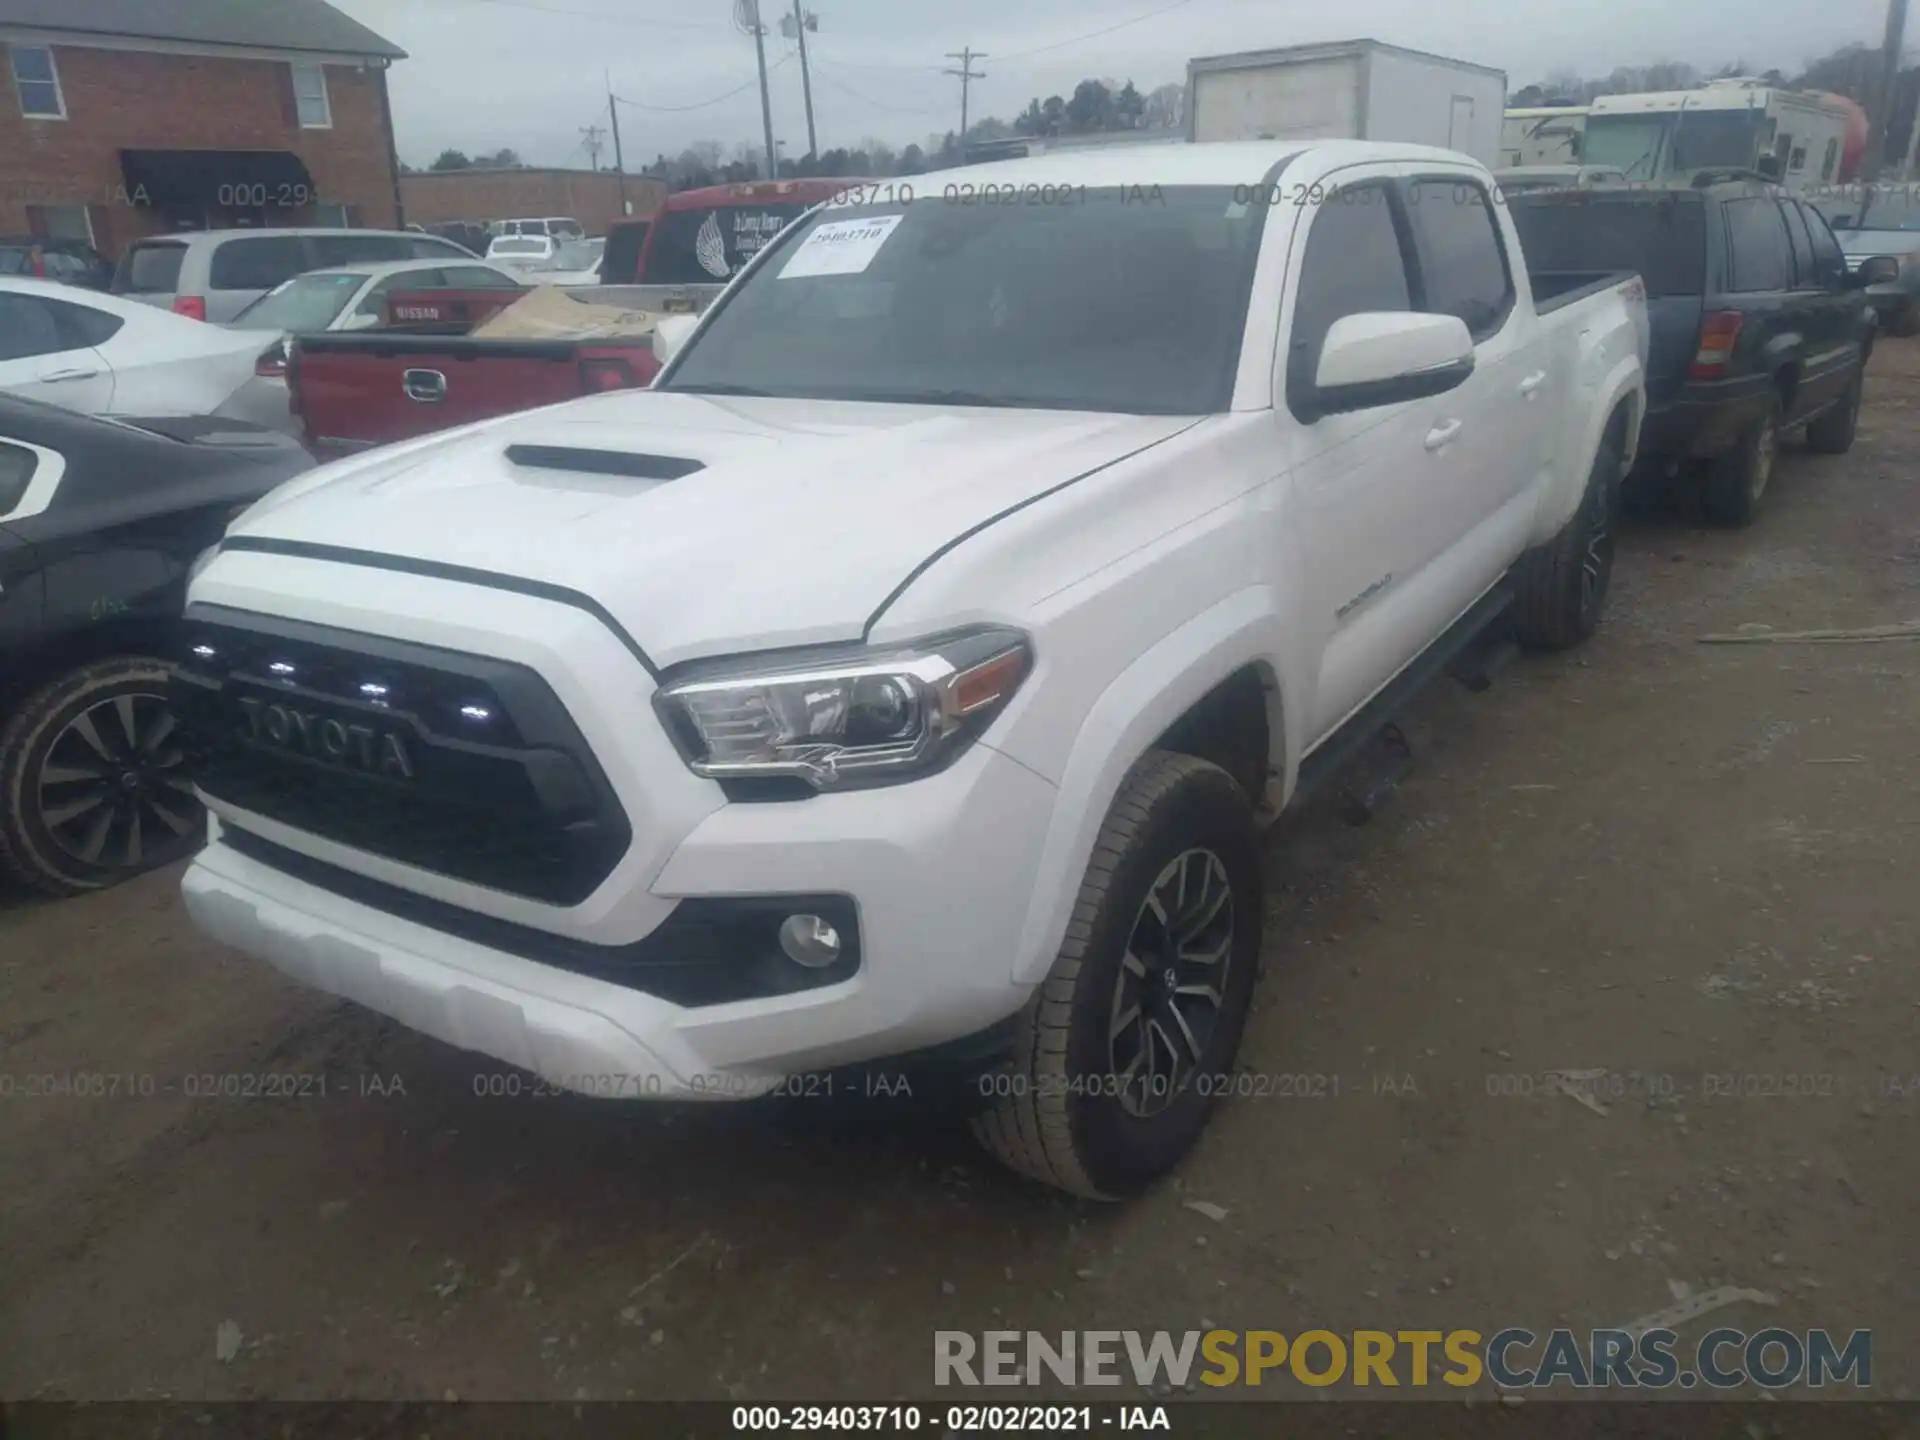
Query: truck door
column 1460, row 124
column 1371, row 504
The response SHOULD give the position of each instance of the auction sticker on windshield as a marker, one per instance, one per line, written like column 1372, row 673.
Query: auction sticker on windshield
column 840, row 247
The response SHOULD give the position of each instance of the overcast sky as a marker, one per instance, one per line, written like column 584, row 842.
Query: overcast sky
column 528, row 74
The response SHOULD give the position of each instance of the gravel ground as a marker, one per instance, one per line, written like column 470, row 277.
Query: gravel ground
column 1687, row 866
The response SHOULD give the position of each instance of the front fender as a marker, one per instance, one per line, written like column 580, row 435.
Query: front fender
column 1139, row 706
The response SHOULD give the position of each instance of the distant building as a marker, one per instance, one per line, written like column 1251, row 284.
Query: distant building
column 122, row 118
column 589, row 196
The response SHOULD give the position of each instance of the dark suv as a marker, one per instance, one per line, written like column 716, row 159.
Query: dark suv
column 1757, row 324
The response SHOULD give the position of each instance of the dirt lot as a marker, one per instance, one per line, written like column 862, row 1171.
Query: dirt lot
column 1689, row 866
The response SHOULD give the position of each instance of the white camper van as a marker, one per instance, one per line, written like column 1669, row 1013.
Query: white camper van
column 1542, row 135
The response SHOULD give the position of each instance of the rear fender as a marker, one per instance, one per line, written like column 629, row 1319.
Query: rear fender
column 1143, row 701
column 1621, row 382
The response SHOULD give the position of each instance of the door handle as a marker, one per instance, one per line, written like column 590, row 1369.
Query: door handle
column 52, row 377
column 1441, row 436
column 1532, row 383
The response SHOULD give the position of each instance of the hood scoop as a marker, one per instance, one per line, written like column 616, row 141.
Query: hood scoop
column 603, row 462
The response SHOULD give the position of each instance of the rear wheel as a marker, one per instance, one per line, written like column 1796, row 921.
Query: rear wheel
column 1832, row 433
column 93, row 786
column 1562, row 586
column 1737, row 480
column 1117, row 1054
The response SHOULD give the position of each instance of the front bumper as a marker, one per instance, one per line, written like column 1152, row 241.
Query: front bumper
column 940, row 870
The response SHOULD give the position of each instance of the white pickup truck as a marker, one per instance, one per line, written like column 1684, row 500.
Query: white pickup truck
column 906, row 677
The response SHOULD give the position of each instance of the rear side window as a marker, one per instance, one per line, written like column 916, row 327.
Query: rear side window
column 1462, row 263
column 1757, row 240
column 28, row 328
column 16, row 469
column 149, row 270
column 478, row 277
column 1354, row 264
column 1663, row 237
column 704, row 247
column 83, row 325
column 332, row 250
column 257, row 262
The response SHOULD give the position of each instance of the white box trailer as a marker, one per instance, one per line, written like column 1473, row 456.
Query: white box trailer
column 1350, row 90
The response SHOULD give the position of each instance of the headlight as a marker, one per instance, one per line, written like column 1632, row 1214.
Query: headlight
column 846, row 717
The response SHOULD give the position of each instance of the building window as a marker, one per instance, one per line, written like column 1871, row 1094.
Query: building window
column 37, row 83
column 1826, row 165
column 330, row 215
column 61, row 222
column 310, row 97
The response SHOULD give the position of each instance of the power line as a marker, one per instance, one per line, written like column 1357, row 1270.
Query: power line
column 650, row 24
column 703, row 104
column 1095, row 34
column 847, row 89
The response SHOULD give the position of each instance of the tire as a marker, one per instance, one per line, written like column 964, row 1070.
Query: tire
column 92, row 787
column 1561, row 587
column 1832, row 433
column 1737, row 481
column 1079, row 1112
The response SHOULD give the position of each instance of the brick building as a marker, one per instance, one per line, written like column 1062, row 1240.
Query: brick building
column 123, row 118
column 591, row 197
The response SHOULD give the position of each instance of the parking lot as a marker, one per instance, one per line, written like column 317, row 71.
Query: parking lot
column 1688, row 866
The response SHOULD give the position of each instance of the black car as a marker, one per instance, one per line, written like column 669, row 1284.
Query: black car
column 100, row 524
column 1757, row 325
column 71, row 262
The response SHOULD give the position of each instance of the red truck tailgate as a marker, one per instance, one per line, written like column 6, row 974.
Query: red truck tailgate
column 353, row 391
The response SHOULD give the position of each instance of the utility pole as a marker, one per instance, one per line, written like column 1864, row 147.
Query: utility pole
column 619, row 160
column 968, row 75
column 1889, row 84
column 746, row 16
column 591, row 138
column 801, row 23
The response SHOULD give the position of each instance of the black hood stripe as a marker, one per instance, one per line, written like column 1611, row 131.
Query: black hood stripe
column 459, row 574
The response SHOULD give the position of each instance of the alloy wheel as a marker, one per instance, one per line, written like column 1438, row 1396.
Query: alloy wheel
column 1172, row 983
column 113, row 789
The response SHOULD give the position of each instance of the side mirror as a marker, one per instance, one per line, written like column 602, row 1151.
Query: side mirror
column 1876, row 270
column 670, row 332
column 1389, row 357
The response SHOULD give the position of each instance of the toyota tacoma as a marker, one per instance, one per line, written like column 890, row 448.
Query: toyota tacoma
column 910, row 671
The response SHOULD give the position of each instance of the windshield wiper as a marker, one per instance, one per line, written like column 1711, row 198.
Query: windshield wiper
column 722, row 387
column 941, row 397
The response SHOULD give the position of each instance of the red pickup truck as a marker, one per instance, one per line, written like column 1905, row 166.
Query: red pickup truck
column 423, row 372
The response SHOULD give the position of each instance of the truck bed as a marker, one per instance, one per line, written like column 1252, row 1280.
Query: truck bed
column 353, row 391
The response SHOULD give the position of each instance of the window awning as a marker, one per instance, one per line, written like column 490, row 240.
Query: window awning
column 228, row 178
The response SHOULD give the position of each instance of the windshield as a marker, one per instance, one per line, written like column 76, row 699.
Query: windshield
column 304, row 305
column 1631, row 142
column 1107, row 304
column 578, row 255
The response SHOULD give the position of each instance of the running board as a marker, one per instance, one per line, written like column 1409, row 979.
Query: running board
column 1333, row 753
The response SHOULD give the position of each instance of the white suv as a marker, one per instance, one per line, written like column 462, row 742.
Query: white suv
column 905, row 677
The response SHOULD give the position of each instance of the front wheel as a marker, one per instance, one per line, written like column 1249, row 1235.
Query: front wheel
column 1112, row 1075
column 93, row 785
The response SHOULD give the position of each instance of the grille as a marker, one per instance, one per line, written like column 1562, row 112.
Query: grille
column 464, row 766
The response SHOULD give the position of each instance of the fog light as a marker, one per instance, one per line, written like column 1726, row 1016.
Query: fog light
column 809, row 941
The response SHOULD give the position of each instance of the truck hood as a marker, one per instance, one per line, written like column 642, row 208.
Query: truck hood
column 802, row 520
